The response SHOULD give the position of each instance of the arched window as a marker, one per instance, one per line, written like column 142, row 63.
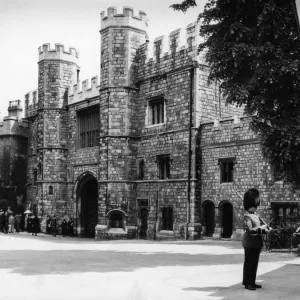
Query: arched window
column 50, row 190
column 116, row 220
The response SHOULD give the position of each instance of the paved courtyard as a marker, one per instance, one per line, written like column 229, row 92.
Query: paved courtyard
column 45, row 267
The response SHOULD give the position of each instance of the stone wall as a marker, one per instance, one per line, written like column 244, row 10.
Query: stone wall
column 234, row 138
column 13, row 162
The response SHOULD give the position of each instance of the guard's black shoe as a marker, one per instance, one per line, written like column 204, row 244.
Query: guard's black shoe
column 258, row 286
column 250, row 287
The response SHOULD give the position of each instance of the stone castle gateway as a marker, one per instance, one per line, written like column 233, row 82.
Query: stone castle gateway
column 151, row 144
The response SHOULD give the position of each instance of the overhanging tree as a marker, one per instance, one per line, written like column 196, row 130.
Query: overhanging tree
column 253, row 48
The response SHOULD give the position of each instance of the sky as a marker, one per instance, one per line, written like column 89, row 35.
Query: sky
column 27, row 24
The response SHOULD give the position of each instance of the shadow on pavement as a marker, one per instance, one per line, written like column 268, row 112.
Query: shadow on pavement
column 33, row 262
column 282, row 283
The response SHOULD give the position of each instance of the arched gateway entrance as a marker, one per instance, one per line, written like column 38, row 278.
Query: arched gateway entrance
column 208, row 218
column 87, row 205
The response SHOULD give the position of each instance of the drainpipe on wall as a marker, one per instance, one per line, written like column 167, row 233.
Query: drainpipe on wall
column 107, row 149
column 190, row 152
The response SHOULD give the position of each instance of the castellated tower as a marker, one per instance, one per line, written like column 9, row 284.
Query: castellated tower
column 121, row 36
column 57, row 69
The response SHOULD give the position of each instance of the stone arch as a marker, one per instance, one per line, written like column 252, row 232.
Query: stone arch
column 85, row 194
column 80, row 178
column 208, row 218
column 116, row 218
column 226, row 218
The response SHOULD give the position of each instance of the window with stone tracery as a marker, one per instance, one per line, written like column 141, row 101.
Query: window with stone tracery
column 156, row 111
column 88, row 124
column 163, row 166
column 226, row 169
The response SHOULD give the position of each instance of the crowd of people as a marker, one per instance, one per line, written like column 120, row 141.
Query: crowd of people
column 11, row 222
column 52, row 226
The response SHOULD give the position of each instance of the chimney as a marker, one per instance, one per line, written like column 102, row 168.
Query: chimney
column 15, row 109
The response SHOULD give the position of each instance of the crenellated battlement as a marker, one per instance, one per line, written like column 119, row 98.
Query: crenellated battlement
column 86, row 89
column 179, row 41
column 14, row 104
column 59, row 52
column 31, row 103
column 129, row 17
column 235, row 121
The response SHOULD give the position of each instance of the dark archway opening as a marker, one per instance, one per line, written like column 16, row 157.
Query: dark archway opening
column 116, row 220
column 209, row 218
column 88, row 193
column 227, row 219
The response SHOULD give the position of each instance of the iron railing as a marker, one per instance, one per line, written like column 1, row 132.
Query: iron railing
column 283, row 236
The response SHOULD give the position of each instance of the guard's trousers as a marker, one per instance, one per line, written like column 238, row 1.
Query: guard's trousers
column 250, row 265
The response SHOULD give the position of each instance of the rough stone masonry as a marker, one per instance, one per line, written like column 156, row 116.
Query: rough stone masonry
column 151, row 150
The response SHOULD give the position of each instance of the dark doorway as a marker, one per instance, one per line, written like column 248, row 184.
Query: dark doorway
column 167, row 218
column 209, row 218
column 227, row 219
column 144, row 221
column 89, row 205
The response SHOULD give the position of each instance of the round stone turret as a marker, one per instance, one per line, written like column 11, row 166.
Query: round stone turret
column 112, row 19
column 58, row 69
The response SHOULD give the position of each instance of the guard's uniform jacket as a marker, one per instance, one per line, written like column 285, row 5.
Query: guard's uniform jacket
column 253, row 232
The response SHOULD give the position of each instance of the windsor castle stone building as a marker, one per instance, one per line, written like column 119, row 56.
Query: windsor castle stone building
column 150, row 145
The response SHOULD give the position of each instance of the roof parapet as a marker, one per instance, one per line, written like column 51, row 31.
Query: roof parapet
column 31, row 103
column 59, row 52
column 129, row 17
column 178, row 40
column 84, row 90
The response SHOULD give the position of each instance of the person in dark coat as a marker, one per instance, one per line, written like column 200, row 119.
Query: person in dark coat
column 5, row 222
column 29, row 223
column 35, row 223
column 70, row 227
column 48, row 225
column 17, row 222
column 54, row 225
column 252, row 239
column 64, row 227
column 1, row 220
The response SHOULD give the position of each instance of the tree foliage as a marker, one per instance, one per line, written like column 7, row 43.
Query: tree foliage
column 184, row 5
column 253, row 48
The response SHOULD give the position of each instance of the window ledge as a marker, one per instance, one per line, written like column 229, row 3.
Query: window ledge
column 226, row 183
column 155, row 125
column 166, row 233
column 117, row 231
